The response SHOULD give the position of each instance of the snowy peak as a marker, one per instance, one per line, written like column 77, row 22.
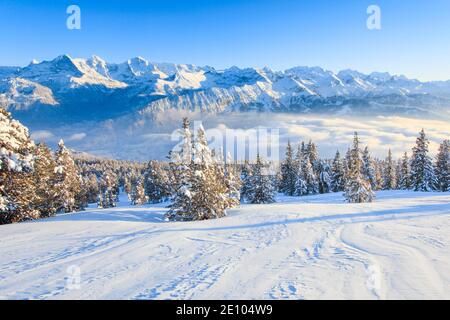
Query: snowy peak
column 138, row 84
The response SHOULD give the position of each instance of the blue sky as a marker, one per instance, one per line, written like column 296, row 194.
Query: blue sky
column 414, row 39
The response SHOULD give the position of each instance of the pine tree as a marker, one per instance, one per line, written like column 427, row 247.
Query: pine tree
column 44, row 181
column 337, row 174
column 233, row 183
column 288, row 172
column 404, row 182
column 127, row 186
column 379, row 182
column 313, row 156
column 93, row 188
column 262, row 190
column 181, row 175
column 67, row 181
column 204, row 193
column 368, row 168
column 324, row 178
column 16, row 166
column 357, row 189
column 138, row 196
column 108, row 191
column 422, row 171
column 246, row 186
column 309, row 177
column 156, row 183
column 389, row 176
column 442, row 167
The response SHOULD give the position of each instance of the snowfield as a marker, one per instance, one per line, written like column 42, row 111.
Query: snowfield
column 299, row 248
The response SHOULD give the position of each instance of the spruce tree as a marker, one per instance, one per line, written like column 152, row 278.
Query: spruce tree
column 262, row 190
column 422, row 171
column 108, row 191
column 288, row 172
column 324, row 178
column 389, row 176
column 442, row 167
column 45, row 181
column 368, row 168
column 246, row 186
column 404, row 182
column 16, row 171
column 138, row 196
column 357, row 189
column 156, row 183
column 337, row 174
column 181, row 176
column 67, row 181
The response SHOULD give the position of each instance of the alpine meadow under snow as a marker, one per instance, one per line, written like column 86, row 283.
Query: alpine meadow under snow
column 314, row 247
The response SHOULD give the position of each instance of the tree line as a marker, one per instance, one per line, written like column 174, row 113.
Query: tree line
column 198, row 183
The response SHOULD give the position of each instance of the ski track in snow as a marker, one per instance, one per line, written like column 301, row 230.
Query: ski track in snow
column 299, row 248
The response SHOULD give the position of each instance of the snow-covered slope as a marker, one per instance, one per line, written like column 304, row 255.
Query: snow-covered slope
column 300, row 248
column 140, row 85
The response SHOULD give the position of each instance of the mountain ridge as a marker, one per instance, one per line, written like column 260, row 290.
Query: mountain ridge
column 68, row 89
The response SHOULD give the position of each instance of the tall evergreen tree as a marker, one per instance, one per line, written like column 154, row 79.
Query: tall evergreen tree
column 44, row 181
column 16, row 166
column 246, row 187
column 389, row 176
column 205, row 193
column 156, row 183
column 404, row 182
column 288, row 172
column 442, row 167
column 368, row 168
column 262, row 190
column 138, row 196
column 337, row 174
column 309, row 177
column 357, row 189
column 67, row 181
column 422, row 171
column 108, row 191
column 324, row 177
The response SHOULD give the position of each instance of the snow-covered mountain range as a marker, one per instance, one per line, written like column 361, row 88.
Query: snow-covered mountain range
column 71, row 90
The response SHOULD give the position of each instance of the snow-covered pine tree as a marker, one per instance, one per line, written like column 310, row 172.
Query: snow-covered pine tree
column 442, row 167
column 181, row 176
column 288, row 172
column 337, row 174
column 93, row 188
column 314, row 158
column 368, row 168
column 422, row 171
column 127, row 186
column 138, row 196
column 208, row 193
column 378, row 175
column 44, row 181
column 262, row 189
column 67, row 181
column 108, row 189
column 300, row 185
column 211, row 195
column 233, row 182
column 156, row 182
column 16, row 166
column 246, row 187
column 324, row 177
column 404, row 182
column 357, row 189
column 389, row 175
column 309, row 177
